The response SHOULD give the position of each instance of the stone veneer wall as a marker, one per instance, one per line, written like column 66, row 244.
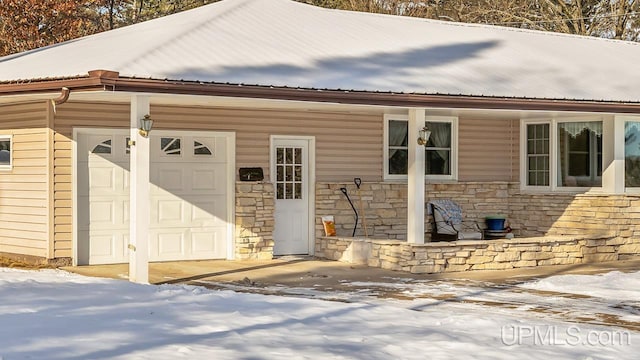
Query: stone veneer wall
column 255, row 206
column 385, row 205
column 529, row 214
column 438, row 257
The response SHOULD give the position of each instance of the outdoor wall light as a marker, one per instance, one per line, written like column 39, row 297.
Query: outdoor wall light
column 423, row 136
column 145, row 125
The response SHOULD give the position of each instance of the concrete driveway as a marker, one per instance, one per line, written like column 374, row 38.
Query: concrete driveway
column 324, row 274
column 335, row 281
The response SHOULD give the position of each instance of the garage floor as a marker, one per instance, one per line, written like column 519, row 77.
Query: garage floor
column 323, row 274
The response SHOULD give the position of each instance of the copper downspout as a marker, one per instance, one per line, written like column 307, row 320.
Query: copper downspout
column 64, row 96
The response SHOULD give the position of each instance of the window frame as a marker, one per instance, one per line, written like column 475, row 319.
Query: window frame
column 9, row 137
column 453, row 120
column 553, row 153
column 525, row 160
column 633, row 190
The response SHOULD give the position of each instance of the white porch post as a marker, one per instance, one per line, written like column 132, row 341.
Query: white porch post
column 139, row 212
column 415, row 201
column 613, row 173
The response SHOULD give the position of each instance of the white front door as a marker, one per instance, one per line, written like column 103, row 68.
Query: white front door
column 290, row 166
column 189, row 196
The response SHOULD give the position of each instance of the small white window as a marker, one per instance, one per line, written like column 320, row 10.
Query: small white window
column 440, row 150
column 5, row 152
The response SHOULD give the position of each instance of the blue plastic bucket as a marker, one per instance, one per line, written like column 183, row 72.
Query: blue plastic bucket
column 495, row 222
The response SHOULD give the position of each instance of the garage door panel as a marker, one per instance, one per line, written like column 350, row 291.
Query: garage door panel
column 107, row 248
column 209, row 211
column 210, row 179
column 167, row 177
column 102, row 178
column 188, row 198
column 204, row 242
column 102, row 212
column 170, row 245
column 204, row 179
column 170, row 211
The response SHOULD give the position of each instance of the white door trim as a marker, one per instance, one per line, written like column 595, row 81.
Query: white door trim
column 312, row 179
column 231, row 179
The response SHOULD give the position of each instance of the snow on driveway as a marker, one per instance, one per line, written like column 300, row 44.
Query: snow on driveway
column 52, row 314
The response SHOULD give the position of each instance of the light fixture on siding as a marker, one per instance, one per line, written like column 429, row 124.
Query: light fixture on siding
column 423, row 136
column 145, row 125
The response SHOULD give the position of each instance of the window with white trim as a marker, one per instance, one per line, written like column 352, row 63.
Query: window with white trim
column 562, row 154
column 440, row 151
column 632, row 154
column 6, row 153
column 580, row 154
column 538, row 155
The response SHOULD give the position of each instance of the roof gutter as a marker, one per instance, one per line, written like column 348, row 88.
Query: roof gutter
column 104, row 80
column 370, row 98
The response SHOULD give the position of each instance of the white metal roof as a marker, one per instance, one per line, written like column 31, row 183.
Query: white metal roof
column 285, row 43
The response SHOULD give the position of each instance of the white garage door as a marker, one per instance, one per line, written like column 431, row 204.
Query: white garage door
column 188, row 197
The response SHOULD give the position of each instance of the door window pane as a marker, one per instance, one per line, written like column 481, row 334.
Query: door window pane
column 289, row 173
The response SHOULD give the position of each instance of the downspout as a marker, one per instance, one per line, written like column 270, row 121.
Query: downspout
column 64, row 96
column 51, row 113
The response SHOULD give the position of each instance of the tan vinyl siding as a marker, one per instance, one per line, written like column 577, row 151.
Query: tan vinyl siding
column 348, row 145
column 68, row 116
column 488, row 150
column 24, row 198
column 515, row 150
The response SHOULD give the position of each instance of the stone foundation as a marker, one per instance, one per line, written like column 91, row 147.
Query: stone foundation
column 255, row 206
column 34, row 260
column 438, row 257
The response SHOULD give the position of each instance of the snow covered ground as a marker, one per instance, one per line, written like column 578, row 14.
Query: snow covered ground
column 52, row 314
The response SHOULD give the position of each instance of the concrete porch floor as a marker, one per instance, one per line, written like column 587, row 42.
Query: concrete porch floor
column 325, row 274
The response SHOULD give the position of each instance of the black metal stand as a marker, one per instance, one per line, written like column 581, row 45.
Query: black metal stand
column 344, row 191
